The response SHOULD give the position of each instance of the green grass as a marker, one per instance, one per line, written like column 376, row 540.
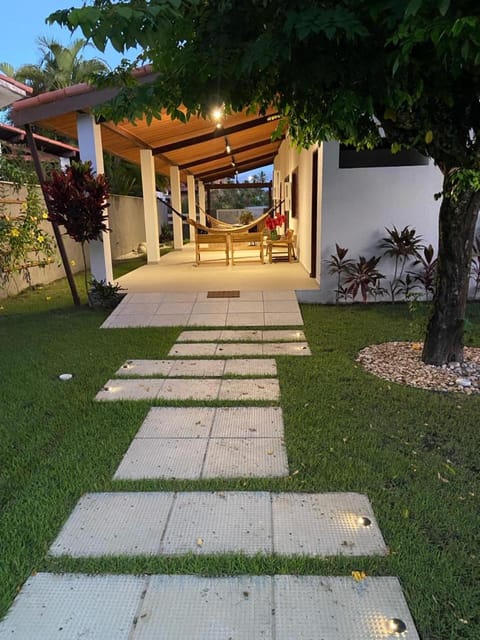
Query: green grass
column 415, row 453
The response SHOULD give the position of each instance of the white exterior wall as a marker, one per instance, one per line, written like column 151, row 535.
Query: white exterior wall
column 357, row 205
column 288, row 160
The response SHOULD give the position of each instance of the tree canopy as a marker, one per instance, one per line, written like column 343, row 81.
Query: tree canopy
column 354, row 71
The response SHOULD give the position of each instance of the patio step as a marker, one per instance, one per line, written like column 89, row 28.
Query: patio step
column 185, row 607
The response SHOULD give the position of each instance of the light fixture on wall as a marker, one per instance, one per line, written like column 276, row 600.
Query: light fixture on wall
column 287, row 196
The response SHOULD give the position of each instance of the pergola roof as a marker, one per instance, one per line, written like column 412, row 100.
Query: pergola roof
column 11, row 90
column 198, row 147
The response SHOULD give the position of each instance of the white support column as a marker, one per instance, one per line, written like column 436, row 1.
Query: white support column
column 176, row 201
column 150, row 205
column 90, row 145
column 202, row 203
column 192, row 209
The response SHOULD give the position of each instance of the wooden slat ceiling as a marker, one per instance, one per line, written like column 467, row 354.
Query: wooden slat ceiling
column 198, row 147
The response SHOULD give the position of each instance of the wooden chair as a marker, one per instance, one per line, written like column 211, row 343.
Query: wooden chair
column 209, row 240
column 285, row 243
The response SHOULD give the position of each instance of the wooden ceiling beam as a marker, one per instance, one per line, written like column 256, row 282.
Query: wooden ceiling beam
column 224, row 154
column 211, row 135
column 224, row 172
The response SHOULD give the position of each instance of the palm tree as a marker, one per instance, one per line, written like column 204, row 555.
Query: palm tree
column 60, row 66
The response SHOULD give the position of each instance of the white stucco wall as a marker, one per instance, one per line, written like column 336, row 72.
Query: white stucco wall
column 127, row 224
column 357, row 204
column 288, row 160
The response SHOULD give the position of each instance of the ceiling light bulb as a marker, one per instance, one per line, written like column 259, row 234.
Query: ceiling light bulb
column 217, row 113
column 228, row 149
column 395, row 625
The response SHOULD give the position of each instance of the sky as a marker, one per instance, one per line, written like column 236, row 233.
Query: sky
column 23, row 22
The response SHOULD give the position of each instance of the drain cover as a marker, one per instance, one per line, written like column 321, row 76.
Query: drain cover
column 223, row 294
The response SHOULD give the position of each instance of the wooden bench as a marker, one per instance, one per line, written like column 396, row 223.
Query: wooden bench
column 211, row 242
column 250, row 241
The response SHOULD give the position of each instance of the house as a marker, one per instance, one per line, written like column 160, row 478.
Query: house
column 331, row 194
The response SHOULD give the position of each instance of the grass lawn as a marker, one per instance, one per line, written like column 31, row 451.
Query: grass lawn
column 415, row 453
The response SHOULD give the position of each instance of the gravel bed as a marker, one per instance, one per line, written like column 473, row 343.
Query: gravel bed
column 401, row 362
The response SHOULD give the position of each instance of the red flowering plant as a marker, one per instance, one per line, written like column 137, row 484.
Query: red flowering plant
column 78, row 200
column 273, row 222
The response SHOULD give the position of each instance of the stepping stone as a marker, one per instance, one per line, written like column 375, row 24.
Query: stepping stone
column 179, row 458
column 200, row 349
column 186, row 607
column 232, row 335
column 67, row 606
column 212, row 522
column 337, row 608
column 239, row 349
column 286, row 349
column 299, row 348
column 248, row 422
column 198, row 368
column 190, row 389
column 220, row 422
column 324, row 524
column 177, row 422
column 250, row 367
column 245, row 458
column 146, row 389
column 207, row 443
column 115, row 524
column 249, row 389
column 145, row 368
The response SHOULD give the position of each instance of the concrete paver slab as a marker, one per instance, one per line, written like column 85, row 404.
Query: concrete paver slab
column 114, row 524
column 248, row 422
column 71, row 606
column 180, row 458
column 197, row 608
column 185, row 607
column 239, row 349
column 132, row 309
column 211, row 306
column 237, row 335
column 199, row 368
column 190, row 389
column 283, row 335
column 174, row 308
column 250, row 367
column 245, row 319
column 249, row 389
column 279, row 295
column 135, row 389
column 283, row 319
column 176, row 422
column 175, row 320
column 245, row 458
column 337, row 608
column 286, row 349
column 245, row 306
column 200, row 349
column 325, row 525
column 227, row 522
column 192, row 335
column 135, row 523
column 145, row 368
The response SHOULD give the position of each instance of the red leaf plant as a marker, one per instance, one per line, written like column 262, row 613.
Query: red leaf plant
column 77, row 200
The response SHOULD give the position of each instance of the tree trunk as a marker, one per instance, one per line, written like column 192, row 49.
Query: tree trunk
column 457, row 221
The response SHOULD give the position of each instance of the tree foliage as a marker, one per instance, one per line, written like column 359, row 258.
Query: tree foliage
column 356, row 71
column 59, row 66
